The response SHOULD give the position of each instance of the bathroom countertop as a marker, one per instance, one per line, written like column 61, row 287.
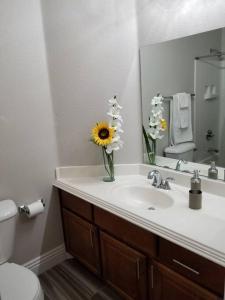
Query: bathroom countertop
column 201, row 231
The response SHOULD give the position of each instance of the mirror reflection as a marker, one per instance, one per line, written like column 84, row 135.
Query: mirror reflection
column 183, row 102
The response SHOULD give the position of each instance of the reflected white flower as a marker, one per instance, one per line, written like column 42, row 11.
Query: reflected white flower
column 154, row 122
column 155, row 118
column 157, row 100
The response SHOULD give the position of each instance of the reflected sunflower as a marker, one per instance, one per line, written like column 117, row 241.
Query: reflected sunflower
column 102, row 134
column 163, row 124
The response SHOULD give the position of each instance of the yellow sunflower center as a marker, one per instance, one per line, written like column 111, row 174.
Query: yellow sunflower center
column 103, row 133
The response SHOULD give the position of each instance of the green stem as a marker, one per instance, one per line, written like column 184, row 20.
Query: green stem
column 105, row 165
column 108, row 164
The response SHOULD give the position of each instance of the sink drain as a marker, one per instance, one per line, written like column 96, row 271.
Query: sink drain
column 151, row 208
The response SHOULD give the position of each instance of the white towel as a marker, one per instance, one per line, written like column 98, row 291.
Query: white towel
column 184, row 101
column 177, row 134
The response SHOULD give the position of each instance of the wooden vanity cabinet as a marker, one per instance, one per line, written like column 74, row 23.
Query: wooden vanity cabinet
column 124, row 268
column 136, row 262
column 81, row 239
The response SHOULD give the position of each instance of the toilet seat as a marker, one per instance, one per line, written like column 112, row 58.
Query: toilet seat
column 180, row 148
column 19, row 283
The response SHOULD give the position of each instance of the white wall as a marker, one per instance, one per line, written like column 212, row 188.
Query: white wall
column 28, row 152
column 93, row 54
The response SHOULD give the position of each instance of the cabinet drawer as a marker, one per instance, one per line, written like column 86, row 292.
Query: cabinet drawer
column 133, row 235
column 169, row 285
column 77, row 205
column 192, row 266
column 124, row 268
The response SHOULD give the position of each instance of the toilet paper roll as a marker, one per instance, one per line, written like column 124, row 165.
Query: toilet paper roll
column 35, row 209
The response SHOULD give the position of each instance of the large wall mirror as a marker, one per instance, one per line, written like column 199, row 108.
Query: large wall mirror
column 188, row 77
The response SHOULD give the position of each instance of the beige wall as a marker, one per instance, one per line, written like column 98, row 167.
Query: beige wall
column 92, row 50
column 28, row 152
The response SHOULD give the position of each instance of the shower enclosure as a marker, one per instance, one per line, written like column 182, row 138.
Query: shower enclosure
column 209, row 124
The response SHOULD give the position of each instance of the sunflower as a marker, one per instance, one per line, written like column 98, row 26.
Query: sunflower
column 102, row 134
column 163, row 124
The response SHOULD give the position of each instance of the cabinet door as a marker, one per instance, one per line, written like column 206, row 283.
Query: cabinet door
column 82, row 240
column 124, row 268
column 169, row 285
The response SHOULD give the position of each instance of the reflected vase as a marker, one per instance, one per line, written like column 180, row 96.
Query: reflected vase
column 152, row 154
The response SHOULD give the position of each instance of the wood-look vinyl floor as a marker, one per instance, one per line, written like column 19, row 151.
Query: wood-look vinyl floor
column 71, row 281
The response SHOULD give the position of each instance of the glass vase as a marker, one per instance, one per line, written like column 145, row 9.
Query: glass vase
column 109, row 165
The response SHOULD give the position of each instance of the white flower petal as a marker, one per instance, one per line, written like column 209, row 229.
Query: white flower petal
column 114, row 103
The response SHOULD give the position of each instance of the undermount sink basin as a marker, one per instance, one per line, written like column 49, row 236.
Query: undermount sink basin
column 143, row 197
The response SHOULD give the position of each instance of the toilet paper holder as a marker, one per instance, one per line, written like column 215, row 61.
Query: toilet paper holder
column 23, row 209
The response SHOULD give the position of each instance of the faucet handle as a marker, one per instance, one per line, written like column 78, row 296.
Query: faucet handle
column 165, row 183
column 170, row 179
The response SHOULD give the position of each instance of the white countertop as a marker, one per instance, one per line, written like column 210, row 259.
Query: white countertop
column 201, row 231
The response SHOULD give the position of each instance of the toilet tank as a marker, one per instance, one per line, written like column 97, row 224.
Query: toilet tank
column 8, row 211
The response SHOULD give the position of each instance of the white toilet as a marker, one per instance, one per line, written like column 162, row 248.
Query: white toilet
column 16, row 282
column 181, row 151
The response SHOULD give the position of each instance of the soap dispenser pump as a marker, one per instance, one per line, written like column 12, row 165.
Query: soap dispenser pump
column 213, row 171
column 196, row 181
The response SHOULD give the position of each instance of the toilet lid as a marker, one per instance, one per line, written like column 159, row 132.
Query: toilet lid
column 18, row 283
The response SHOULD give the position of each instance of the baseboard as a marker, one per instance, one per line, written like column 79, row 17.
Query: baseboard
column 47, row 260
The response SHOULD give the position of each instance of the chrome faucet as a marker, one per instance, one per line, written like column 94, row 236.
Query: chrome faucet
column 180, row 161
column 158, row 182
column 156, row 176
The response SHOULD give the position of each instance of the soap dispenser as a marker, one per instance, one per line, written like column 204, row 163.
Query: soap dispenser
column 195, row 193
column 195, row 181
column 213, row 171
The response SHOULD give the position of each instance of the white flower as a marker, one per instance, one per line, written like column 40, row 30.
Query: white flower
column 116, row 125
column 155, row 133
column 154, row 122
column 114, row 114
column 115, row 122
column 157, row 100
column 114, row 103
column 116, row 145
column 155, row 118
